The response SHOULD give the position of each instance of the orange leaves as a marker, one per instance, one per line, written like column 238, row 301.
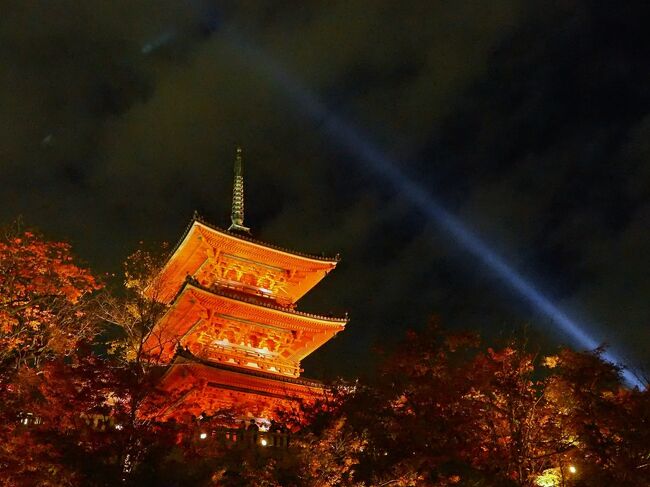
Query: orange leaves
column 40, row 292
column 141, row 267
column 32, row 265
column 551, row 361
column 7, row 322
column 457, row 341
column 333, row 454
column 500, row 411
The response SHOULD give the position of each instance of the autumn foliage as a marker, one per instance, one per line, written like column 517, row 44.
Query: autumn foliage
column 447, row 410
column 79, row 400
column 40, row 293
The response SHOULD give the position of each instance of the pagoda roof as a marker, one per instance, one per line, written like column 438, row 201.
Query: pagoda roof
column 183, row 356
column 202, row 240
column 195, row 303
column 215, row 387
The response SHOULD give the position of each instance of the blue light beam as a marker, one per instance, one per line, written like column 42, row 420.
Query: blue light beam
column 352, row 139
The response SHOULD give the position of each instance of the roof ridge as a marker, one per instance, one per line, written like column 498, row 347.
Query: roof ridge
column 197, row 218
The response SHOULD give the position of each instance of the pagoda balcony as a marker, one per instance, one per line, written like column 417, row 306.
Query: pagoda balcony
column 249, row 358
column 265, row 295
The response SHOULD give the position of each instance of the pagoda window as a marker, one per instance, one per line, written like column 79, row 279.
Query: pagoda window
column 249, row 280
column 270, row 345
column 231, row 275
column 254, row 341
column 265, row 283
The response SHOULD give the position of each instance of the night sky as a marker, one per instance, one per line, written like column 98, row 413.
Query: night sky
column 530, row 121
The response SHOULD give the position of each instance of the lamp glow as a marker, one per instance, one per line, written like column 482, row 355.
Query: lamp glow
column 263, row 442
column 203, row 436
column 572, row 469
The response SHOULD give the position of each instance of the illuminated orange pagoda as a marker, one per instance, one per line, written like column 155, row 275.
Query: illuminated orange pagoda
column 231, row 331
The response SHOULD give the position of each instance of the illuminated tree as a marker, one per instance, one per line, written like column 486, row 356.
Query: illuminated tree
column 133, row 309
column 609, row 423
column 44, row 317
column 42, row 310
column 128, row 315
column 445, row 411
column 69, row 416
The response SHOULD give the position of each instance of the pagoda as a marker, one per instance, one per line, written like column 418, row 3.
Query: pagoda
column 231, row 333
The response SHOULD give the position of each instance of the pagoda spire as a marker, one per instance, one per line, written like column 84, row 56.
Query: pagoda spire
column 237, row 215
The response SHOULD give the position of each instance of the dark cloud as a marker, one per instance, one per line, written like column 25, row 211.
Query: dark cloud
column 529, row 120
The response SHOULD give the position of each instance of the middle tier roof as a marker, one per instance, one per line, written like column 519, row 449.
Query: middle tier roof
column 233, row 327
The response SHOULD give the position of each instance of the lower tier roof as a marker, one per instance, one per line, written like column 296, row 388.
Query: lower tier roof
column 192, row 386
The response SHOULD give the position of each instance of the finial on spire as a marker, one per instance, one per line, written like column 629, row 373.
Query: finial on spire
column 237, row 215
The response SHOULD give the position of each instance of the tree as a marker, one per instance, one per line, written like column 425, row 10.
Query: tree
column 44, row 317
column 42, row 310
column 133, row 309
column 446, row 410
column 52, row 381
column 610, row 423
column 129, row 314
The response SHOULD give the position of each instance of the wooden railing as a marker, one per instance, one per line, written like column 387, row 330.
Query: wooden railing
column 246, row 438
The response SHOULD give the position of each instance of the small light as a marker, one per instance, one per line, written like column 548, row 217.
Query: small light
column 263, row 442
column 118, row 427
column 203, row 436
column 572, row 469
